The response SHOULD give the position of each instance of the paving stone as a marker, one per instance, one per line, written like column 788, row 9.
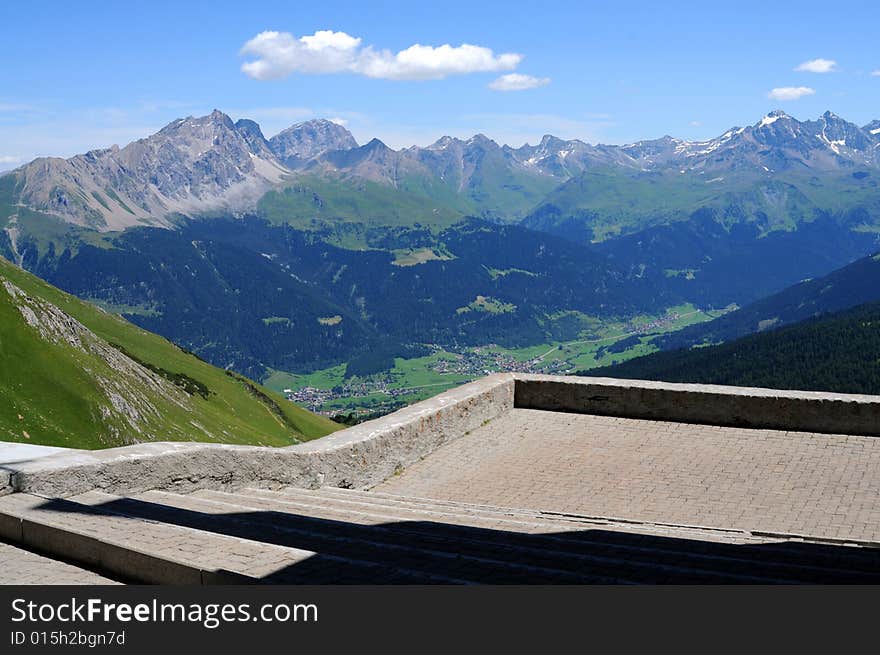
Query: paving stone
column 794, row 482
column 22, row 567
column 531, row 496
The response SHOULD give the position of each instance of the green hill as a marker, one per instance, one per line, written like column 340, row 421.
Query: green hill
column 316, row 202
column 856, row 284
column 73, row 375
column 838, row 352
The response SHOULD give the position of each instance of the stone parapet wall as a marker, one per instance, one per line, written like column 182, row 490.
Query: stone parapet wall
column 744, row 407
column 371, row 452
column 356, row 457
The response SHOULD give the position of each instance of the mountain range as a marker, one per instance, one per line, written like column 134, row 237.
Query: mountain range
column 307, row 249
column 210, row 164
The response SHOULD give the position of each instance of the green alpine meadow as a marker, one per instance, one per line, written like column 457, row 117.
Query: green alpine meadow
column 76, row 376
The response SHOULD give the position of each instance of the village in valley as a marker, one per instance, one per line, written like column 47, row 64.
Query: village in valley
column 336, row 395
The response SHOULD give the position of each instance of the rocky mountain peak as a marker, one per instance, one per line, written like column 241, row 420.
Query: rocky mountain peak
column 252, row 133
column 442, row 143
column 304, row 141
column 375, row 144
column 195, row 164
column 838, row 134
column 772, row 118
column 250, row 128
column 217, row 116
column 553, row 144
column 482, row 140
column 191, row 165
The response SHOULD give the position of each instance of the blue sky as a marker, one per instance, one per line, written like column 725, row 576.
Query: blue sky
column 89, row 74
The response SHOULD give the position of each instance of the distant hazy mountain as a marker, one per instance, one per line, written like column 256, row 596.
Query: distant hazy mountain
column 563, row 159
column 475, row 175
column 776, row 173
column 774, row 143
column 304, row 141
column 192, row 165
column 196, row 166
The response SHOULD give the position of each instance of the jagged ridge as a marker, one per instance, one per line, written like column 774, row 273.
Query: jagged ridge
column 210, row 164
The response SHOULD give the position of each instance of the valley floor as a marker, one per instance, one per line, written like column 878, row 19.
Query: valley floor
column 331, row 392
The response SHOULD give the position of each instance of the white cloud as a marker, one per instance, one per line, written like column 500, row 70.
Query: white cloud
column 876, row 73
column 279, row 54
column 818, row 66
column 9, row 159
column 696, row 124
column 790, row 92
column 518, row 82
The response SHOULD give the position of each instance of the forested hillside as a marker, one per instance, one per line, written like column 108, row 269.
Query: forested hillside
column 838, row 352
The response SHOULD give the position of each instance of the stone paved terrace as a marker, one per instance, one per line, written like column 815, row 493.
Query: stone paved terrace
column 512, row 479
column 664, row 472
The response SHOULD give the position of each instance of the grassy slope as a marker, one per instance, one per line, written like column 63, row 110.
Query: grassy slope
column 498, row 191
column 321, row 201
column 313, row 201
column 855, row 284
column 53, row 387
column 614, row 201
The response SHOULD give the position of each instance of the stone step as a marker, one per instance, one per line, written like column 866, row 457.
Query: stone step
column 424, row 530
column 110, row 533
column 298, row 536
column 421, row 506
column 404, row 509
column 340, row 533
column 736, row 544
column 517, row 541
column 560, row 521
column 19, row 566
column 746, row 557
column 377, row 496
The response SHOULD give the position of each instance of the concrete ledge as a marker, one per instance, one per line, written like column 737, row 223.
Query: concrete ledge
column 114, row 558
column 367, row 454
column 360, row 456
column 746, row 407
